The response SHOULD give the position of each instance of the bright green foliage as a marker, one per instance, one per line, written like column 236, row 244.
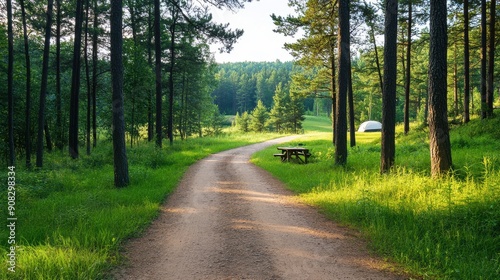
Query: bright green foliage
column 72, row 221
column 278, row 112
column 295, row 113
column 214, row 123
column 242, row 122
column 259, row 117
column 445, row 228
column 138, row 88
column 240, row 85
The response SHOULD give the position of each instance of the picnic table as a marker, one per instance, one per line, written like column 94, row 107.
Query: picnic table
column 300, row 154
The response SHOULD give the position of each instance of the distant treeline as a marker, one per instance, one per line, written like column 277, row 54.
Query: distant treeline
column 241, row 85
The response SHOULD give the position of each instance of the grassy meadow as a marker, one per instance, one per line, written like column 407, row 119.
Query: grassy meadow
column 71, row 221
column 435, row 228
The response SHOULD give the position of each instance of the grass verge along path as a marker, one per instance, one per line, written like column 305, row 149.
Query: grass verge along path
column 446, row 228
column 71, row 221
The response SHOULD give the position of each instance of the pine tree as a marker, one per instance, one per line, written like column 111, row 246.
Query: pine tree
column 343, row 84
column 389, row 83
column 295, row 112
column 75, row 83
column 277, row 115
column 438, row 116
column 119, row 152
column 258, row 117
column 43, row 90
column 10, row 85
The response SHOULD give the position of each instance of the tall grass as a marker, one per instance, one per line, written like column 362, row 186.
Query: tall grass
column 444, row 228
column 72, row 221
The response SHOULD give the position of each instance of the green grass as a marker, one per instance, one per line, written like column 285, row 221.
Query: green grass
column 315, row 124
column 72, row 221
column 446, row 228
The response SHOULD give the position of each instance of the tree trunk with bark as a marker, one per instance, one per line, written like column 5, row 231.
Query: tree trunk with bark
column 389, row 96
column 343, row 83
column 466, row 117
column 408, row 72
column 352, row 128
column 43, row 87
column 87, row 77
column 94, row 75
column 10, row 85
column 455, row 81
column 334, row 92
column 75, row 83
column 119, row 150
column 150, row 94
column 28, row 87
column 377, row 60
column 59, row 127
column 440, row 147
column 170, row 125
column 157, row 35
column 483, row 60
column 491, row 61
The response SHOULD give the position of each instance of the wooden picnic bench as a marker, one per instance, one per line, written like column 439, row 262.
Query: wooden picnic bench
column 300, row 154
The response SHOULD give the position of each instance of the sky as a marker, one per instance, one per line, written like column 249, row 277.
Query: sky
column 259, row 42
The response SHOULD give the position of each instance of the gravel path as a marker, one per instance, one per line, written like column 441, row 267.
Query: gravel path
column 229, row 219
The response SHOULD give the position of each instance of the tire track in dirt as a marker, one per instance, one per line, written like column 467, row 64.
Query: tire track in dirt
column 229, row 219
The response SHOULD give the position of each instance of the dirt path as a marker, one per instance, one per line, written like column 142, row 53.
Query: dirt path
column 231, row 220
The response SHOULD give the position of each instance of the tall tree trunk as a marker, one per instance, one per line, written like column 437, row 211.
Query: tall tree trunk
column 159, row 134
column 333, row 65
column 43, row 88
column 150, row 94
column 28, row 87
column 133, row 24
column 491, row 61
column 466, row 117
column 483, row 60
column 59, row 126
column 377, row 60
column 455, row 81
column 352, row 128
column 438, row 117
column 94, row 75
column 119, row 151
column 87, row 76
column 426, row 108
column 343, row 83
column 10, row 85
column 183, row 107
column 131, row 10
column 170, row 126
column 334, row 91
column 408, row 71
column 132, row 125
column 389, row 97
column 75, row 83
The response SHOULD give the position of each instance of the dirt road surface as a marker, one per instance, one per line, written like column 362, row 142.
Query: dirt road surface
column 229, row 219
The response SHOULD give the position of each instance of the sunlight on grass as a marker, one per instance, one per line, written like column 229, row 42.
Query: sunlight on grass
column 60, row 262
column 446, row 228
column 72, row 221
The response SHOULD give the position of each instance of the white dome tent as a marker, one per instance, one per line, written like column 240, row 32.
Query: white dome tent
column 370, row 126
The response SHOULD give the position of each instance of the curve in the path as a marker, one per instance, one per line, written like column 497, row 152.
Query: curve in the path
column 229, row 219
